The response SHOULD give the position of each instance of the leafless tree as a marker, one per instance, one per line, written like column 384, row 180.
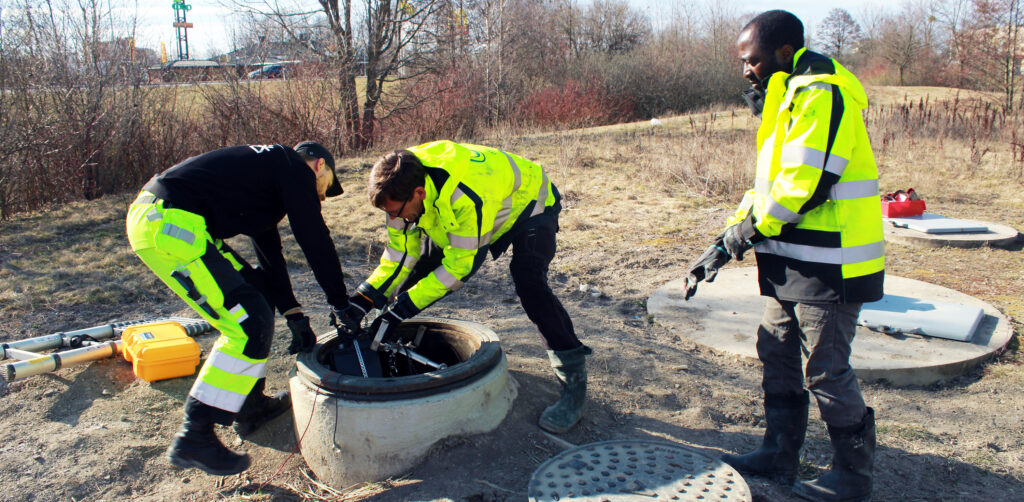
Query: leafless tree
column 996, row 31
column 570, row 25
column 838, row 33
column 376, row 38
column 953, row 16
column 613, row 27
column 69, row 98
column 904, row 38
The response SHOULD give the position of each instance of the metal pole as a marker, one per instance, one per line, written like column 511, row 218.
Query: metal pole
column 396, row 348
column 63, row 339
column 31, row 364
column 53, row 362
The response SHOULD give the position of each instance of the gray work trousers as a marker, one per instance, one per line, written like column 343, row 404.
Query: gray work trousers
column 823, row 333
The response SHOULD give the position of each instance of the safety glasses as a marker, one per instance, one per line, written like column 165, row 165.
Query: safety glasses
column 394, row 214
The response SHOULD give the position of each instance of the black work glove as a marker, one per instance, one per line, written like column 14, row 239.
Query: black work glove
column 303, row 338
column 734, row 242
column 385, row 328
column 705, row 268
column 347, row 320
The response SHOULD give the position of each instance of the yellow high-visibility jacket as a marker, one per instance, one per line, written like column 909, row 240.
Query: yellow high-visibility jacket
column 478, row 198
column 814, row 214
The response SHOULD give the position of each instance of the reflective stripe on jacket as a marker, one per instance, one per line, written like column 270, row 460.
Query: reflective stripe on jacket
column 477, row 199
column 814, row 212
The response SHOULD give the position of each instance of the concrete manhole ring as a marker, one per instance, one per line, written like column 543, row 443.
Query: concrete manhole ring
column 357, row 430
column 635, row 469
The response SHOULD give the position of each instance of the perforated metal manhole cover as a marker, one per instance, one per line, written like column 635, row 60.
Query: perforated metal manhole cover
column 635, row 469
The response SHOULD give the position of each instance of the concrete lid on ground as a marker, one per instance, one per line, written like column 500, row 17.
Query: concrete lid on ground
column 996, row 236
column 724, row 316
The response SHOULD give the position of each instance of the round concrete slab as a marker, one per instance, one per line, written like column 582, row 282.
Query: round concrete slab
column 724, row 316
column 996, row 236
column 625, row 470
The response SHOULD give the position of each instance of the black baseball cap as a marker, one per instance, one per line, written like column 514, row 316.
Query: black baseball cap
column 314, row 149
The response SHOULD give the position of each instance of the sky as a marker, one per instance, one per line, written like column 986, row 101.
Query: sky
column 213, row 22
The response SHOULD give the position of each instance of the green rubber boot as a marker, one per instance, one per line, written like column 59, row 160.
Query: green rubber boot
column 571, row 370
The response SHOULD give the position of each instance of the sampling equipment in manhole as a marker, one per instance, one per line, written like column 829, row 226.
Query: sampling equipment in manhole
column 449, row 378
column 636, row 469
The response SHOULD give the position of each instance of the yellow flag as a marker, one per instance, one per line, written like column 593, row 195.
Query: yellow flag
column 407, row 8
column 460, row 17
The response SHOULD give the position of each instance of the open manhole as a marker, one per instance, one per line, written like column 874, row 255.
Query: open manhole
column 635, row 469
column 355, row 429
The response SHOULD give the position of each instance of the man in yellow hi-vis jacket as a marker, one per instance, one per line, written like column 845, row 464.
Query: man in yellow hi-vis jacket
column 814, row 222
column 448, row 205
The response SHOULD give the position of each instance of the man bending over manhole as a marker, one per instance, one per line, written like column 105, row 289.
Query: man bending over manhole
column 177, row 226
column 447, row 206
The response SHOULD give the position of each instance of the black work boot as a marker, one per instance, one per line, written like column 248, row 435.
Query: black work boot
column 849, row 479
column 779, row 454
column 196, row 445
column 571, row 370
column 259, row 408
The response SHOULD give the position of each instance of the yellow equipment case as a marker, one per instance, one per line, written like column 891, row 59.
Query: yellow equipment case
column 160, row 351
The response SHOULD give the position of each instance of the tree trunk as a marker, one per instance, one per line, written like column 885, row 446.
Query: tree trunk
column 367, row 135
column 350, row 107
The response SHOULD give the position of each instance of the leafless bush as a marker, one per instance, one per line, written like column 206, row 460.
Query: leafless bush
column 679, row 70
column 71, row 96
column 448, row 104
column 574, row 105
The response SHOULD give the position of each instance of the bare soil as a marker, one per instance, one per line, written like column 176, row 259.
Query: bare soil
column 95, row 432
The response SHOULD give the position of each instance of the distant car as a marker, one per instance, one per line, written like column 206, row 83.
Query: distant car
column 269, row 71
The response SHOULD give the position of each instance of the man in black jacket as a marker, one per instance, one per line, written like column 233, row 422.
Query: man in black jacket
column 177, row 226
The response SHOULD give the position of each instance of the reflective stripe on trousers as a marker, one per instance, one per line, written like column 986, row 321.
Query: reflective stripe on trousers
column 228, row 374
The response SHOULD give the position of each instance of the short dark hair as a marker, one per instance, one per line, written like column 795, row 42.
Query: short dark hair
column 395, row 176
column 777, row 28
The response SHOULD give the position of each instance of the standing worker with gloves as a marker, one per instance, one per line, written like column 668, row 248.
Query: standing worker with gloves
column 177, row 226
column 447, row 206
column 815, row 224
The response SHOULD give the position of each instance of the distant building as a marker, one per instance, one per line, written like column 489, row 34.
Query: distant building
column 300, row 57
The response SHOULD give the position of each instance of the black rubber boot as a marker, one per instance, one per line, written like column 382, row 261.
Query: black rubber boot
column 259, row 408
column 571, row 370
column 197, row 444
column 779, row 454
column 849, row 479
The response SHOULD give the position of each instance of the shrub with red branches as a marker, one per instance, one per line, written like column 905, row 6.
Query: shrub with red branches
column 574, row 104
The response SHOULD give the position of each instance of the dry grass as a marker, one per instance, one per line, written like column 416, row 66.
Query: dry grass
column 662, row 186
column 634, row 215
